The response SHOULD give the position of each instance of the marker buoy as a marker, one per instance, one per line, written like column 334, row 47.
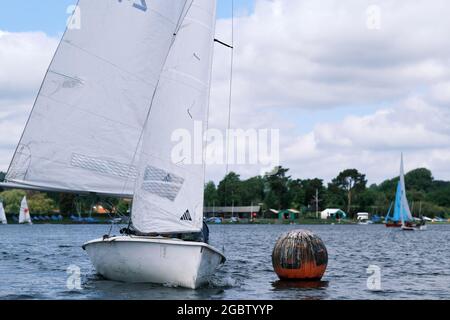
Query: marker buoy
column 300, row 255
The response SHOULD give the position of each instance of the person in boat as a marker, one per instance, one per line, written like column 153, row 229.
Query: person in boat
column 422, row 221
column 202, row 236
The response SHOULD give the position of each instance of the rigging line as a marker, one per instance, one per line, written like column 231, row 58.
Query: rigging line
column 230, row 97
column 230, row 105
column 223, row 43
column 42, row 86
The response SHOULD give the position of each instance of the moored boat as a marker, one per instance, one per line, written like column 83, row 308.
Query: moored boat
column 3, row 219
column 402, row 217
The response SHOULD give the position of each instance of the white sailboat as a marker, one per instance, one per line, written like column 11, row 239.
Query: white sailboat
column 115, row 92
column 3, row 219
column 24, row 214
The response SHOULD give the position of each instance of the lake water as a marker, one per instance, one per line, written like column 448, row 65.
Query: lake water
column 414, row 265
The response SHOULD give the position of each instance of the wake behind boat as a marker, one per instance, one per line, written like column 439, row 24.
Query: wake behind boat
column 103, row 123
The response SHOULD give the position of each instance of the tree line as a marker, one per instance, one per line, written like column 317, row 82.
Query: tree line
column 349, row 191
column 64, row 203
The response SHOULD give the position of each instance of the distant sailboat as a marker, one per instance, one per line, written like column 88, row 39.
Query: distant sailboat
column 402, row 216
column 3, row 219
column 116, row 91
column 24, row 215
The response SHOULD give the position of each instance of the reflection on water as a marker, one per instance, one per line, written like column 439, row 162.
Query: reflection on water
column 287, row 285
column 33, row 264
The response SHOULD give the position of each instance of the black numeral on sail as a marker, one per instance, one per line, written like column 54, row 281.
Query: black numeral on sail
column 142, row 5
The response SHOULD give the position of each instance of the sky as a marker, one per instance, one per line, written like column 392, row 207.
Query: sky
column 349, row 84
column 50, row 16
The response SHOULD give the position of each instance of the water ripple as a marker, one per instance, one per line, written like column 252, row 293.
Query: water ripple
column 413, row 265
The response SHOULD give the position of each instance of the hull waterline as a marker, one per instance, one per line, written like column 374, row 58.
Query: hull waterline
column 154, row 260
column 393, row 225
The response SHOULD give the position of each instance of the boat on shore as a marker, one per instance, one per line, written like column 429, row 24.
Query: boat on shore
column 363, row 218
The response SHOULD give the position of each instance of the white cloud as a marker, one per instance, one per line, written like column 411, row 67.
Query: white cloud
column 24, row 58
column 373, row 143
column 320, row 55
column 306, row 55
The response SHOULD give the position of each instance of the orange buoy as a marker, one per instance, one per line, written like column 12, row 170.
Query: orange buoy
column 300, row 255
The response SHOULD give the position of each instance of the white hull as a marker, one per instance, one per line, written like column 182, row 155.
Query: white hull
column 417, row 228
column 154, row 260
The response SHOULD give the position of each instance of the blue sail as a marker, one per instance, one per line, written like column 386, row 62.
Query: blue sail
column 402, row 213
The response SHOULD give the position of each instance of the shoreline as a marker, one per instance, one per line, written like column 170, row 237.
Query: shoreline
column 101, row 221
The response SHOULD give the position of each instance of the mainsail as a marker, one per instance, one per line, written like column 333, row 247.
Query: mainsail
column 88, row 118
column 169, row 196
column 402, row 212
column 3, row 219
column 24, row 215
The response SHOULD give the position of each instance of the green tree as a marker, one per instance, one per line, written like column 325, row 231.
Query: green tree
column 369, row 199
column 229, row 190
column 2, row 178
column 311, row 186
column 40, row 203
column 440, row 197
column 335, row 197
column 296, row 194
column 352, row 182
column 277, row 189
column 419, row 179
column 211, row 195
column 123, row 206
column 11, row 200
column 67, row 203
column 252, row 191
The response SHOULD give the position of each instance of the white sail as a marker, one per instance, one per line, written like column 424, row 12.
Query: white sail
column 169, row 196
column 3, row 219
column 88, row 118
column 24, row 215
column 405, row 212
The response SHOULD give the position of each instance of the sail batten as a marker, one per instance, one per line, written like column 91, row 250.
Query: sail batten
column 89, row 115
